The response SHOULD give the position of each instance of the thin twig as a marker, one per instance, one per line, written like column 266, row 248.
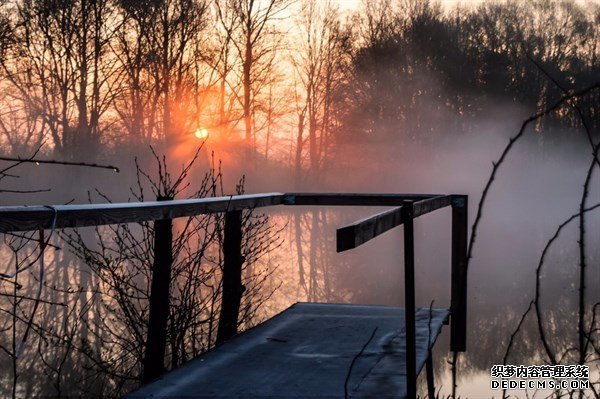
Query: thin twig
column 511, row 142
column 538, row 311
column 53, row 162
column 577, row 108
column 346, row 394
column 512, row 340
column 583, row 346
column 27, row 298
column 44, row 190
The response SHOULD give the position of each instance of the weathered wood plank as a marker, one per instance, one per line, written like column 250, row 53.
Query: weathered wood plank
column 352, row 199
column 408, row 214
column 431, row 204
column 460, row 231
column 361, row 231
column 233, row 289
column 306, row 352
column 24, row 218
column 158, row 309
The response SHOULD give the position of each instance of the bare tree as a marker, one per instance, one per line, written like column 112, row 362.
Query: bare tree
column 57, row 65
column 248, row 26
column 159, row 48
column 122, row 256
column 319, row 66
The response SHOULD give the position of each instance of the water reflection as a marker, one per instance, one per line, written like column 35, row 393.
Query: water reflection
column 75, row 348
column 500, row 292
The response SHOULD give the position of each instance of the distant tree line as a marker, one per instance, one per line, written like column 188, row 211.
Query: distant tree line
column 417, row 65
column 76, row 322
column 287, row 81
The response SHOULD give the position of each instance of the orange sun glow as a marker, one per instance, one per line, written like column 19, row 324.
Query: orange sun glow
column 201, row 133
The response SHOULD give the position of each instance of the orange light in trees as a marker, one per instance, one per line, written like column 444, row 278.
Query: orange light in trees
column 201, row 133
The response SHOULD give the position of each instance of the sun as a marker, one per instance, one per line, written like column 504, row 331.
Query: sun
column 201, row 133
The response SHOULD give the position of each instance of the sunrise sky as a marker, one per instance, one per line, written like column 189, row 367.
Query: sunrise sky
column 353, row 4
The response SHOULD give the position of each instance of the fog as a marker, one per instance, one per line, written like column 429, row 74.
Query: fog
column 408, row 99
column 537, row 188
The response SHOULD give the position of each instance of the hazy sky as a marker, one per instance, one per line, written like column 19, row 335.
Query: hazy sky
column 352, row 4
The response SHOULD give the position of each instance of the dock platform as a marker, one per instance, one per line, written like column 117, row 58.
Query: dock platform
column 309, row 350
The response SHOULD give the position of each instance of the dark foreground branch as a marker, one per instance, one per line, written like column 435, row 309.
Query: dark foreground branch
column 53, row 162
column 496, row 165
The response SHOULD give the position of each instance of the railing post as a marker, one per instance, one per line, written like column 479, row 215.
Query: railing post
column 409, row 299
column 156, row 341
column 232, row 276
column 460, row 220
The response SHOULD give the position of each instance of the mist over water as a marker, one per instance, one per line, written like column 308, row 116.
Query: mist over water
column 418, row 101
column 537, row 188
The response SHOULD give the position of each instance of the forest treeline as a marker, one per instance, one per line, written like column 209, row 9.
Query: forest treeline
column 287, row 83
column 284, row 80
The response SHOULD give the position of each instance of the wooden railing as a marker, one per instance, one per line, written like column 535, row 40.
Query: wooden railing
column 407, row 208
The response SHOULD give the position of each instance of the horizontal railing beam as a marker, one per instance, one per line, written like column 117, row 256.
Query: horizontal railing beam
column 25, row 218
column 361, row 231
column 360, row 199
column 431, row 204
column 364, row 230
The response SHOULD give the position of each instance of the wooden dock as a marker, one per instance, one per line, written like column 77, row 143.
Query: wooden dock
column 309, row 350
